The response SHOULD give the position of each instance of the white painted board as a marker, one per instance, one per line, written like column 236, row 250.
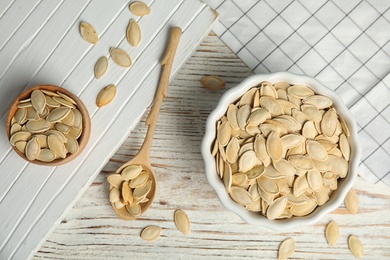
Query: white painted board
column 40, row 44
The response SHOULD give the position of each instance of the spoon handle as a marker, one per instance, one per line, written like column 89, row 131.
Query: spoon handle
column 162, row 89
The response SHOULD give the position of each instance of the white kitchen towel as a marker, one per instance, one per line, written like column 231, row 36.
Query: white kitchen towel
column 342, row 43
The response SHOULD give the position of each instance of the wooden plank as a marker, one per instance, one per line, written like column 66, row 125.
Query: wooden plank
column 4, row 6
column 10, row 222
column 61, row 185
column 91, row 230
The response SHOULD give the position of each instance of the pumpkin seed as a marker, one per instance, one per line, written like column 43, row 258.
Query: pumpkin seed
column 255, row 172
column 114, row 195
column 56, row 145
column 139, row 8
column 314, row 179
column 344, row 126
column 246, row 161
column 271, row 105
column 140, row 180
column 258, row 116
column 131, row 172
column 300, row 91
column 356, row 246
column 329, row 123
column 243, row 114
column 15, row 128
column 303, row 209
column 151, row 233
column 50, row 102
column 316, row 150
column 63, row 102
column 32, row 149
column 259, row 148
column 32, row 114
column 120, row 57
column 143, row 190
column 20, row 115
column 271, row 173
column 332, row 233
column 300, row 185
column 276, row 208
column 133, row 33
column 46, row 155
column 344, row 147
column 134, row 210
column 286, row 249
column 182, row 222
column 212, row 82
column 115, row 180
column 71, row 145
column 101, row 67
column 352, row 202
column 19, row 136
column 339, row 166
column 291, row 140
column 119, row 204
column 284, row 167
column 309, row 130
column 301, row 162
column 37, row 126
column 38, row 101
column 232, row 150
column 312, row 112
column 66, row 97
column 106, row 95
column 227, row 177
column 232, row 116
column 240, row 195
column 57, row 114
column 319, row 101
column 21, row 146
column 88, row 32
column 224, row 134
column 248, row 97
column 274, row 146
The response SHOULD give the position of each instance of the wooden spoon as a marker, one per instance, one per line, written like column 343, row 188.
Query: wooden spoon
column 142, row 158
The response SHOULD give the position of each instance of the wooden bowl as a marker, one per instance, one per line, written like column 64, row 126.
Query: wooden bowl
column 86, row 127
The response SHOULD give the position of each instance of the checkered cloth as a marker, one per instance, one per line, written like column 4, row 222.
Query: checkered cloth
column 342, row 43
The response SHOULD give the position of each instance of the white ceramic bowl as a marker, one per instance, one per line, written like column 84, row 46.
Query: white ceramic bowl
column 234, row 94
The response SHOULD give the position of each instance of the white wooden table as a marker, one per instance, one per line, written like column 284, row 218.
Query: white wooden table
column 91, row 230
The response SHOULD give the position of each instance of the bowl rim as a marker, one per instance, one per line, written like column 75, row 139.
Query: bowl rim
column 235, row 93
column 86, row 120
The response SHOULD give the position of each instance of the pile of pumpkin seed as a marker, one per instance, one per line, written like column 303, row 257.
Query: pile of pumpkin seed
column 130, row 189
column 46, row 126
column 281, row 149
column 119, row 56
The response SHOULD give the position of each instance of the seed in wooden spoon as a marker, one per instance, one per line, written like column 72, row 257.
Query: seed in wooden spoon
column 106, row 95
column 134, row 210
column 115, row 194
column 286, row 249
column 352, row 202
column 139, row 8
column 133, row 33
column 182, row 222
column 88, row 32
column 101, row 67
column 57, row 114
column 356, row 246
column 38, row 101
column 32, row 149
column 120, row 57
column 332, row 233
column 140, row 180
column 142, row 191
column 116, row 180
column 127, row 193
column 151, row 233
column 131, row 171
column 212, row 82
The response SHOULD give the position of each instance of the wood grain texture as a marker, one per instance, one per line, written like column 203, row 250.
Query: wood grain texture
column 52, row 51
column 91, row 230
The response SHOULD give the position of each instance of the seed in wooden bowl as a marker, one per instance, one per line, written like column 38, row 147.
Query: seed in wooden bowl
column 41, row 131
column 212, row 82
column 287, row 143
